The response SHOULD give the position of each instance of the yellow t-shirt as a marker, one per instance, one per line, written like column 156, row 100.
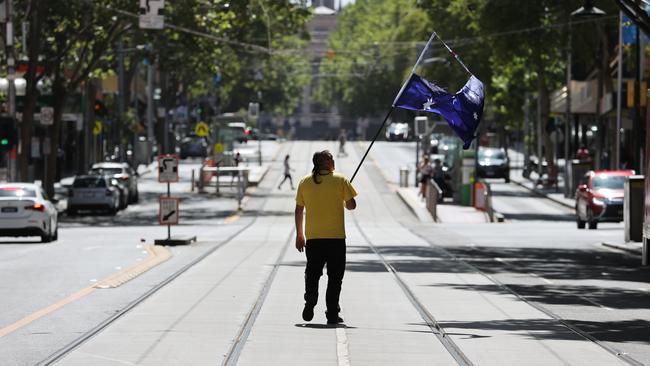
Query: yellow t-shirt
column 324, row 203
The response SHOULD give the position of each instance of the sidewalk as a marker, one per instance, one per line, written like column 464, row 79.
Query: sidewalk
column 447, row 213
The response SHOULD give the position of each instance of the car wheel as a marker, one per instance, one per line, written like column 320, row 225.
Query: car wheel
column 46, row 238
column 71, row 211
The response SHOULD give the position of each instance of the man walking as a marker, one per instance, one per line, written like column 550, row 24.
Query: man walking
column 323, row 194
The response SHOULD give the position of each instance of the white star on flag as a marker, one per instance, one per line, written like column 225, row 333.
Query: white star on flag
column 428, row 104
column 475, row 116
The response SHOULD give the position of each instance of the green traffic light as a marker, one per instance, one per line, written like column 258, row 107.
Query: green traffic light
column 4, row 142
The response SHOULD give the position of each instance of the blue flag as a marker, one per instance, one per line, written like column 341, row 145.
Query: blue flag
column 462, row 110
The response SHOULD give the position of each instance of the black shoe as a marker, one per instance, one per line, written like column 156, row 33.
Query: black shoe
column 334, row 320
column 308, row 313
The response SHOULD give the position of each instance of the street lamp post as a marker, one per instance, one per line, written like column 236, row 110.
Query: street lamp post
column 585, row 12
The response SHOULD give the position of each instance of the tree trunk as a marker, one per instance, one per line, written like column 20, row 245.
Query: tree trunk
column 545, row 111
column 51, row 160
column 36, row 17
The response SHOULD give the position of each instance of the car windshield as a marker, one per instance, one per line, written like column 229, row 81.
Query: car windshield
column 108, row 171
column 89, row 182
column 491, row 154
column 17, row 192
column 608, row 182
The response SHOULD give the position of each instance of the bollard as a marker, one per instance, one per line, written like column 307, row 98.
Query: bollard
column 633, row 208
column 192, row 182
column 200, row 182
column 403, row 177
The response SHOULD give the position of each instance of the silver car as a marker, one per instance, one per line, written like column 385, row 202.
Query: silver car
column 122, row 172
column 93, row 192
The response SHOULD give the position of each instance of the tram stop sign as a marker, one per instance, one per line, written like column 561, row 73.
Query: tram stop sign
column 202, row 129
column 167, row 169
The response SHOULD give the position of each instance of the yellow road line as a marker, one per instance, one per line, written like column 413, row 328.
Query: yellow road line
column 232, row 218
column 156, row 256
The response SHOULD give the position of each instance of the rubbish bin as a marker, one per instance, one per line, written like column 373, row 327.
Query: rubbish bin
column 467, row 181
column 403, row 177
column 633, row 208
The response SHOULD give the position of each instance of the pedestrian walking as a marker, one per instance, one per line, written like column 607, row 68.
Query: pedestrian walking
column 426, row 170
column 323, row 194
column 342, row 141
column 287, row 173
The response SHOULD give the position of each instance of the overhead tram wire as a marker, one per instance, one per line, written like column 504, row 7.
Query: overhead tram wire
column 194, row 32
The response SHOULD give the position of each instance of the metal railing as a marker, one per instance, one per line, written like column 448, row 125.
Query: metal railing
column 433, row 197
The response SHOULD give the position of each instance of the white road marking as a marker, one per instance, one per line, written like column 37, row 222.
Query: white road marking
column 528, row 273
column 342, row 352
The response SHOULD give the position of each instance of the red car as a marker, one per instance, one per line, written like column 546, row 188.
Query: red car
column 599, row 197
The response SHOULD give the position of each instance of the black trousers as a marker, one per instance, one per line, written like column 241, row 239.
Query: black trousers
column 320, row 252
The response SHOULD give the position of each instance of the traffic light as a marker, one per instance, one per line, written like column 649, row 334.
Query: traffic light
column 8, row 133
column 100, row 108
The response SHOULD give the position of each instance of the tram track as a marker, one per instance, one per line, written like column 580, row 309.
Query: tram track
column 451, row 256
column 65, row 350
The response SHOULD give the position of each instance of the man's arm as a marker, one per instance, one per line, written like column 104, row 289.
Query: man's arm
column 300, row 237
column 351, row 204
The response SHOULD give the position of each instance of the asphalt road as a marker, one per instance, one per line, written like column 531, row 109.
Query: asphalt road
column 537, row 256
column 541, row 255
column 47, row 296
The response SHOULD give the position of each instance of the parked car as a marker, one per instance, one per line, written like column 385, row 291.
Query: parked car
column 599, row 197
column 493, row 162
column 397, row 131
column 122, row 172
column 193, row 146
column 93, row 192
column 25, row 210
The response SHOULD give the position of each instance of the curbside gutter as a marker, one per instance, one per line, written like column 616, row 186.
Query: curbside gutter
column 628, row 248
column 541, row 194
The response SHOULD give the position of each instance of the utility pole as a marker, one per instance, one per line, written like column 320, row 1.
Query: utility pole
column 619, row 94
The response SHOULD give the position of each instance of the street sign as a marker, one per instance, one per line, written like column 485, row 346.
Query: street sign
column 202, row 129
column 168, row 210
column 97, row 128
column 167, row 169
column 218, row 148
column 47, row 116
column 151, row 14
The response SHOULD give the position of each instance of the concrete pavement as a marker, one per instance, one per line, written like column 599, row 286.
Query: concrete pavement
column 242, row 304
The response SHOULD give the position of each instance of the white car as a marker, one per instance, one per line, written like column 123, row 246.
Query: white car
column 93, row 192
column 25, row 210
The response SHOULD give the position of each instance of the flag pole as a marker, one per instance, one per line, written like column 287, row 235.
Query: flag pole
column 454, row 54
column 426, row 46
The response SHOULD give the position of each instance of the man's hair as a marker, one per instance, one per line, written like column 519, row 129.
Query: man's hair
column 320, row 160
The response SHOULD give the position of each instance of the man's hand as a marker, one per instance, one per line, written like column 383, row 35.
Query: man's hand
column 300, row 243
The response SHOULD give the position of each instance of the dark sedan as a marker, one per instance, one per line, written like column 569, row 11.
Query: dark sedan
column 493, row 163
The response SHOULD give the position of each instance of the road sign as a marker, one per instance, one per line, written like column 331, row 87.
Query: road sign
column 97, row 129
column 47, row 116
column 202, row 129
column 168, row 210
column 218, row 148
column 167, row 169
column 151, row 14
